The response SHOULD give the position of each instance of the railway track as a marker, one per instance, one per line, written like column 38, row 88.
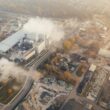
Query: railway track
column 34, row 63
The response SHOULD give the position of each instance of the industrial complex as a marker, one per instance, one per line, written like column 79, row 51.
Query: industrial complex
column 70, row 74
column 20, row 48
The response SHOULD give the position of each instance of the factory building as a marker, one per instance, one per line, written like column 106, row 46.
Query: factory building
column 20, row 47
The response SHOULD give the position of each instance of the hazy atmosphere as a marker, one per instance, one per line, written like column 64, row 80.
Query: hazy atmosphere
column 57, row 8
column 54, row 54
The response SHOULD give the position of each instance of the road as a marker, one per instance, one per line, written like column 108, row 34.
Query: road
column 20, row 96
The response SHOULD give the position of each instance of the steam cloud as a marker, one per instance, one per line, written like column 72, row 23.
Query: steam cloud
column 9, row 69
column 45, row 27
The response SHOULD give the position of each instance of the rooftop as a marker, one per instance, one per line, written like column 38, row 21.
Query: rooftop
column 9, row 42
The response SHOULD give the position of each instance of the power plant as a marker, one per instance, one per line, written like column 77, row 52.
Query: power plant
column 44, row 68
column 20, row 47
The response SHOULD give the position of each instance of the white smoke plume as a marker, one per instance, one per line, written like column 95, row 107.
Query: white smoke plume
column 46, row 27
column 9, row 69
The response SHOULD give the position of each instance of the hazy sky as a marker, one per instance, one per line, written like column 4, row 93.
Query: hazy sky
column 57, row 7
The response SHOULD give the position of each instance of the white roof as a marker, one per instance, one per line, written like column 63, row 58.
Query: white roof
column 104, row 52
column 9, row 42
column 92, row 68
